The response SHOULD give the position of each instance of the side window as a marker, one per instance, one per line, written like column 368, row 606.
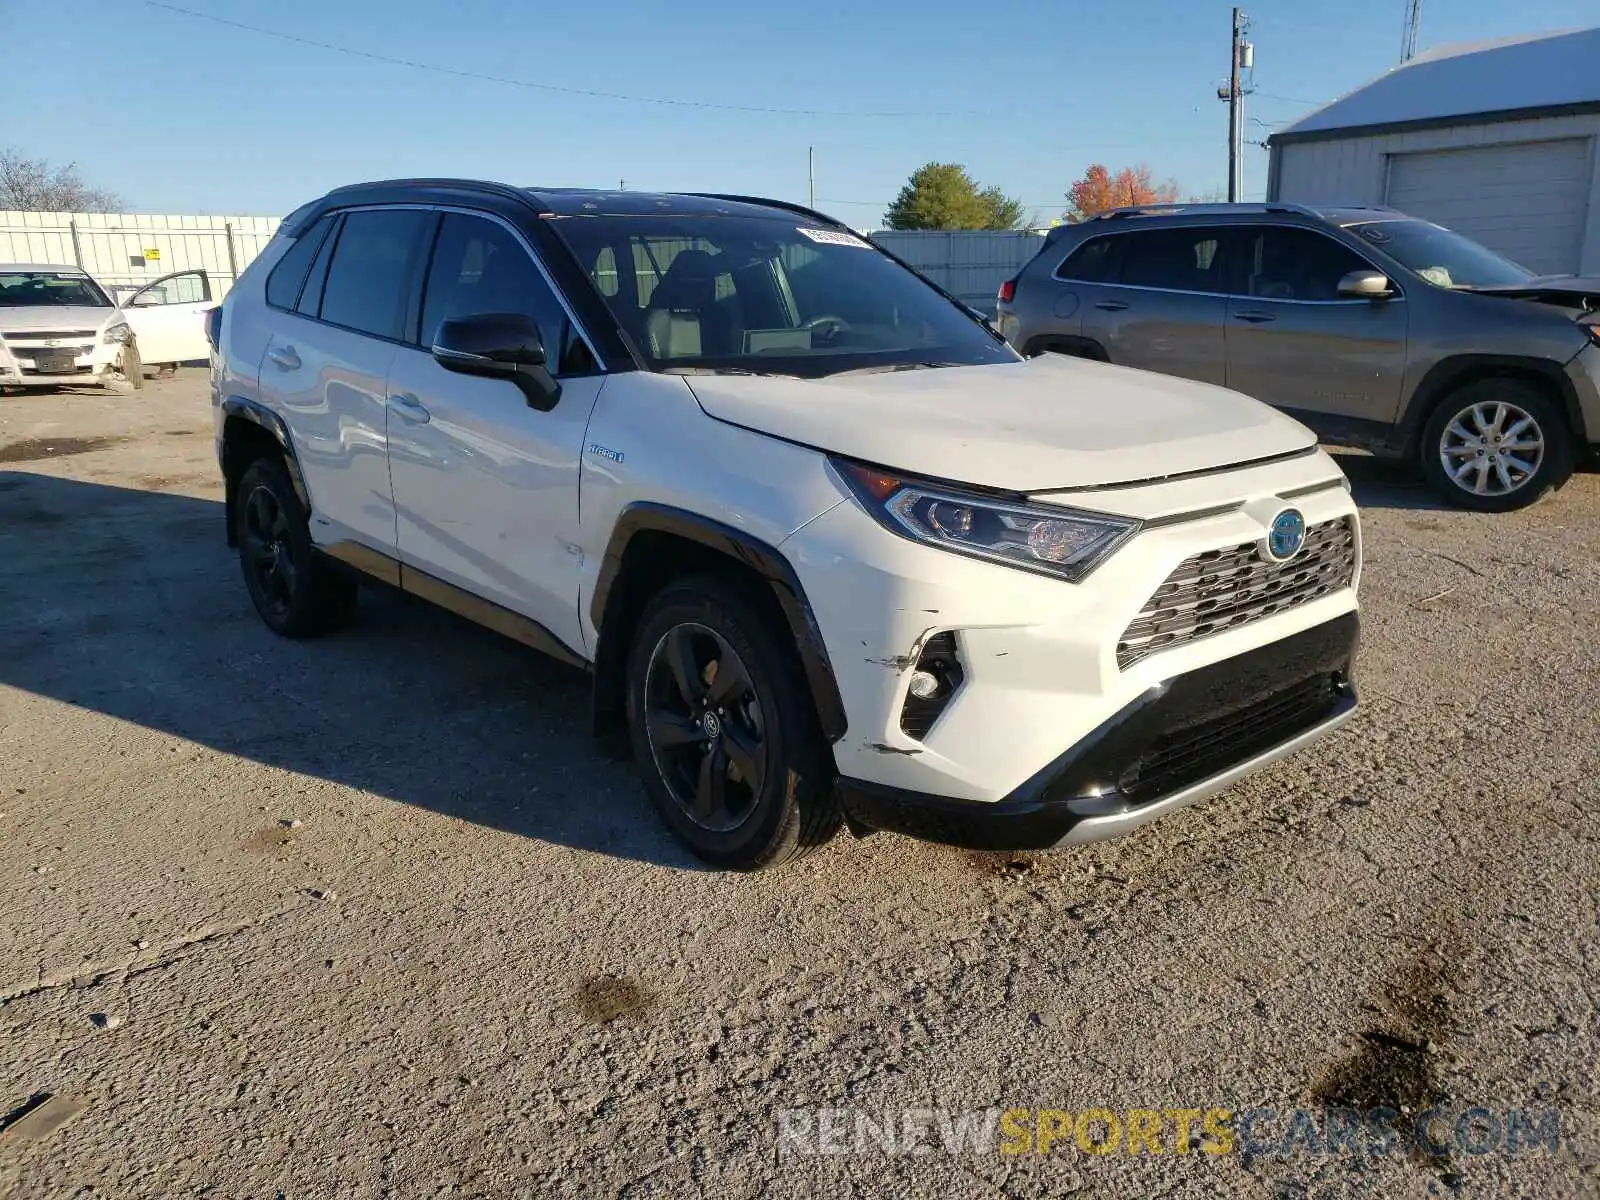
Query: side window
column 1281, row 263
column 191, row 287
column 604, row 274
column 1096, row 261
column 369, row 277
column 1179, row 259
column 283, row 285
column 479, row 266
column 311, row 295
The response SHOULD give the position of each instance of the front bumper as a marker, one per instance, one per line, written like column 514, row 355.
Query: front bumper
column 19, row 361
column 1184, row 739
column 1584, row 374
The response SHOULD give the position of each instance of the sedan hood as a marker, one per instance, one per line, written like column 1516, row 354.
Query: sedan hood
column 1046, row 424
column 53, row 316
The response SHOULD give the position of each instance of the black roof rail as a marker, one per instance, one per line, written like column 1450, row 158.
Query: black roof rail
column 786, row 205
column 460, row 185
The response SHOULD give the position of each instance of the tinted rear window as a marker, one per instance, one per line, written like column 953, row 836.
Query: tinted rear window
column 371, row 275
column 1182, row 259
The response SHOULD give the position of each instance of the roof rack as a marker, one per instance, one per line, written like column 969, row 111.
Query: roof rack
column 1203, row 210
column 764, row 202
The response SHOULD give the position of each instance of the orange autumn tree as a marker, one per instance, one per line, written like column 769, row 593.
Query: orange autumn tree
column 1100, row 190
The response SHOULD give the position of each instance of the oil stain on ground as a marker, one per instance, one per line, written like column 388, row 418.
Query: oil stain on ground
column 603, row 998
column 1395, row 1063
column 36, row 449
column 268, row 841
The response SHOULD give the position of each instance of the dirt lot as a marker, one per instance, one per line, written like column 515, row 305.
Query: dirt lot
column 372, row 917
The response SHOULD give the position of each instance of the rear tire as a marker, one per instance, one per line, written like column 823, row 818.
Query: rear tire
column 295, row 591
column 741, row 772
column 1496, row 445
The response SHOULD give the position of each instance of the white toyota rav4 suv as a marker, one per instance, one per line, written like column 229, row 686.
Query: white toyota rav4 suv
column 832, row 551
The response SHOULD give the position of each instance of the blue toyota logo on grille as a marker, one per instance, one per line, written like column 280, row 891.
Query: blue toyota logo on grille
column 1287, row 535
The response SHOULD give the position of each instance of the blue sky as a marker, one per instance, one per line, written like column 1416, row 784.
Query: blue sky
column 184, row 115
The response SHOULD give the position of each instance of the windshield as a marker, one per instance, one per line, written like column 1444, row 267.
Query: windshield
column 49, row 289
column 748, row 295
column 1442, row 257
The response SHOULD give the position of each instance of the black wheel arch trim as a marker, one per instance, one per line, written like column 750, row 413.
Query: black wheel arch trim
column 1446, row 374
column 752, row 552
column 258, row 414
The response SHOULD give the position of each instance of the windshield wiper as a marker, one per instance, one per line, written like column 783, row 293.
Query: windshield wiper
column 889, row 367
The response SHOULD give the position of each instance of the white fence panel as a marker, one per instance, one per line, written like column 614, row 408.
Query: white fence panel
column 121, row 248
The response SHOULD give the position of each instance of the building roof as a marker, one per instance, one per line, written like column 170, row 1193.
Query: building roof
column 1535, row 75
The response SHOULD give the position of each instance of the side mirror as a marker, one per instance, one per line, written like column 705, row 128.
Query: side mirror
column 499, row 346
column 146, row 300
column 1366, row 285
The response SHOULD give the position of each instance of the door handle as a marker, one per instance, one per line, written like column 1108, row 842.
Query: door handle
column 410, row 409
column 285, row 357
column 1254, row 318
column 1111, row 305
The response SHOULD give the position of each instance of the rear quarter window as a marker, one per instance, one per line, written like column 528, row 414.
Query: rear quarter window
column 1095, row 261
column 283, row 285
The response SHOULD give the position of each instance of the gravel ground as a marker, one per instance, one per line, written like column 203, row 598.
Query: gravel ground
column 372, row 916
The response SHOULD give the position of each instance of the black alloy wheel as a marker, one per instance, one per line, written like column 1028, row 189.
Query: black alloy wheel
column 268, row 554
column 705, row 727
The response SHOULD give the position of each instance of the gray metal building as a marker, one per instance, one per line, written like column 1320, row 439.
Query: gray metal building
column 1496, row 140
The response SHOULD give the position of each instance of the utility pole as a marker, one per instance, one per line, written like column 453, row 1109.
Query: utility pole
column 1240, row 54
column 811, row 175
column 1408, row 43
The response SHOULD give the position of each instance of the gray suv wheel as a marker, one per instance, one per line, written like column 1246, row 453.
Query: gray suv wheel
column 1496, row 445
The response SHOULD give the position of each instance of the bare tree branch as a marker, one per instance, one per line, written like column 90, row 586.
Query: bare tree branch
column 34, row 185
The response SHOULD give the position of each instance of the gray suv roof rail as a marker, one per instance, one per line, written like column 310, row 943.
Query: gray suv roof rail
column 1185, row 210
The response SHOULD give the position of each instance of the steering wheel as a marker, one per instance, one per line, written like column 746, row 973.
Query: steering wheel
column 839, row 324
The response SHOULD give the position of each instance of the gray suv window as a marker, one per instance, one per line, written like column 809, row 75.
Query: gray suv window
column 1096, row 261
column 1282, row 263
column 369, row 279
column 1183, row 259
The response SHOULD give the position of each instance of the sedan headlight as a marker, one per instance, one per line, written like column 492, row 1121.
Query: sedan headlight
column 1060, row 542
column 116, row 334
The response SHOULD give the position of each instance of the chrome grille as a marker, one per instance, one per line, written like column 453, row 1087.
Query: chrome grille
column 34, row 335
column 1222, row 589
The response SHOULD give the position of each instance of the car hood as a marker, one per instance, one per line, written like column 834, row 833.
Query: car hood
column 1579, row 291
column 1042, row 425
column 53, row 316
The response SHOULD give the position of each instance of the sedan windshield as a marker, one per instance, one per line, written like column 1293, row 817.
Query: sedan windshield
column 49, row 289
column 1442, row 257
column 748, row 295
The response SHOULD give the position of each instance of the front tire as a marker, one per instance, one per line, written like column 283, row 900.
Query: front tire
column 132, row 366
column 295, row 592
column 724, row 731
column 1496, row 445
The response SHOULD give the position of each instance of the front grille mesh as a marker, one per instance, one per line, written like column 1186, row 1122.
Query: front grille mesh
column 1222, row 589
column 1178, row 760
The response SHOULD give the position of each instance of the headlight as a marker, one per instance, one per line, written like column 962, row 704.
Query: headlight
column 1060, row 542
column 117, row 334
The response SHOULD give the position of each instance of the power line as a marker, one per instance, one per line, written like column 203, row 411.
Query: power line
column 1288, row 99
column 394, row 60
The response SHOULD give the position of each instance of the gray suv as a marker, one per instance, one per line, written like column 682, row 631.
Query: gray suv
column 1376, row 329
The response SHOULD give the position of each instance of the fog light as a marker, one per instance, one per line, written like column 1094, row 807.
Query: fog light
column 933, row 683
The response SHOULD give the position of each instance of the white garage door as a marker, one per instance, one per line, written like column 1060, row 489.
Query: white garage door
column 1527, row 202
